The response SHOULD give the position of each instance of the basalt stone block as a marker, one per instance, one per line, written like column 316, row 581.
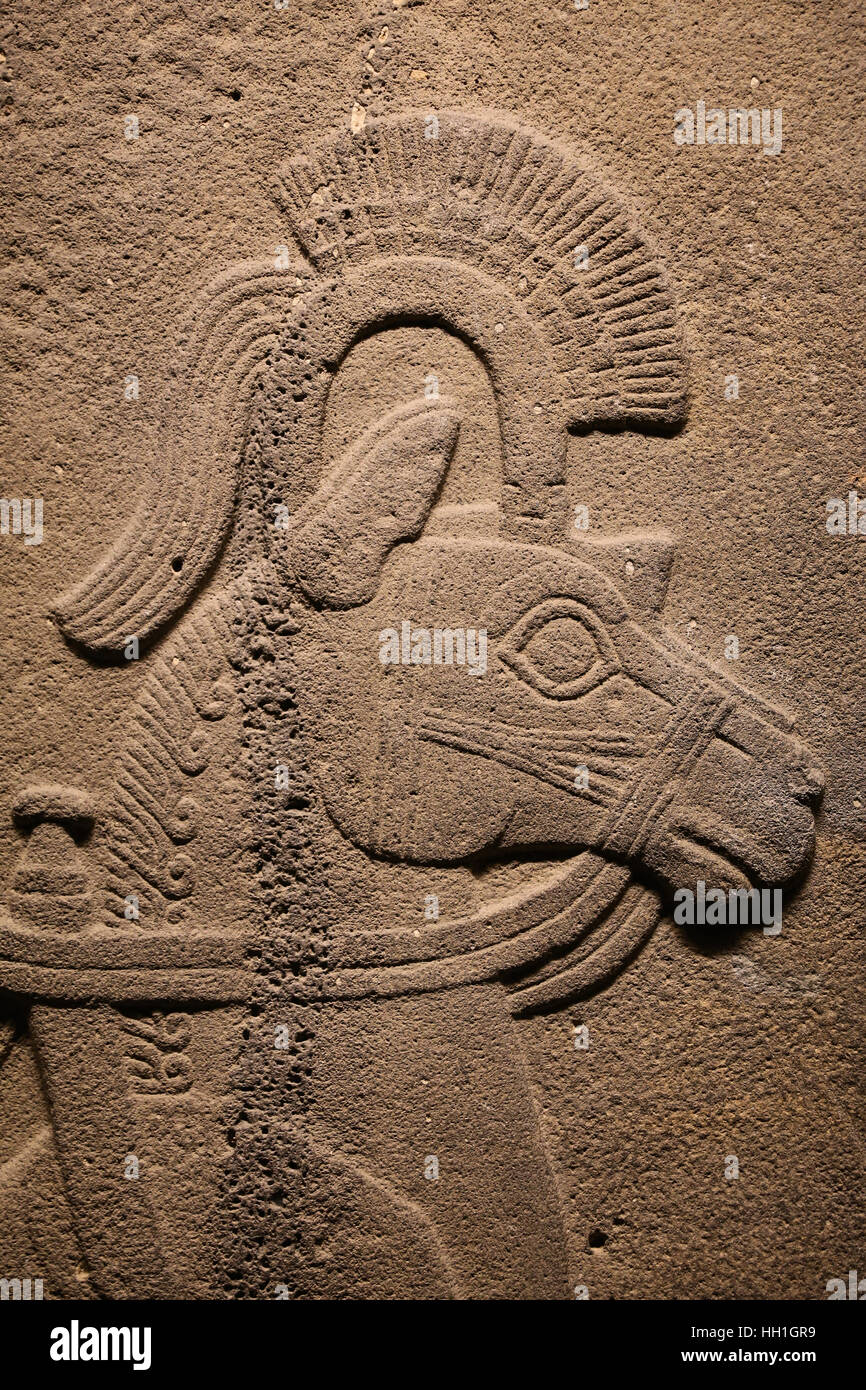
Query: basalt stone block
column 432, row 856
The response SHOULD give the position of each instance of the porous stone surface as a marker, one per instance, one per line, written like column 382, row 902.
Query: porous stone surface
column 431, row 568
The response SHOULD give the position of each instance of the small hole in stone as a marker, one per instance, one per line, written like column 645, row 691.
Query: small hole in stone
column 596, row 1239
column 177, row 564
column 236, row 94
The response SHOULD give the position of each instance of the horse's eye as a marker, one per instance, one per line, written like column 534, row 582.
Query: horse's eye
column 559, row 648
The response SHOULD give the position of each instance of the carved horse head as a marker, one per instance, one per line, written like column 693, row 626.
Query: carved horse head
column 590, row 728
column 586, row 725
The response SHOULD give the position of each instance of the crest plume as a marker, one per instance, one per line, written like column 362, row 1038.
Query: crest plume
column 488, row 192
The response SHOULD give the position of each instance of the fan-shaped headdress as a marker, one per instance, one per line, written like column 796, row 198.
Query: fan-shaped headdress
column 472, row 223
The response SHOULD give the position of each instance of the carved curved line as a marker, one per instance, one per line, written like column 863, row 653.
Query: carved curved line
column 131, row 815
column 416, row 1214
column 442, row 293
column 178, row 751
column 153, row 874
column 136, row 602
column 514, row 952
column 522, row 910
column 156, row 809
column 134, row 590
column 14, row 1168
column 520, row 762
column 564, row 752
column 608, row 926
column 598, row 969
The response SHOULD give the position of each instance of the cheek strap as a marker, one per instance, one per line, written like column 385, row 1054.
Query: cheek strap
column 689, row 731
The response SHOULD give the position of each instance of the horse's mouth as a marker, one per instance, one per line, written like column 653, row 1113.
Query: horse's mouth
column 705, row 847
column 723, row 856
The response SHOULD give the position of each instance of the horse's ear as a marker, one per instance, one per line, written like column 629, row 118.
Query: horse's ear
column 380, row 493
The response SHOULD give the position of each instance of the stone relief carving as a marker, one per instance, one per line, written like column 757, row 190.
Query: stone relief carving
column 322, row 745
